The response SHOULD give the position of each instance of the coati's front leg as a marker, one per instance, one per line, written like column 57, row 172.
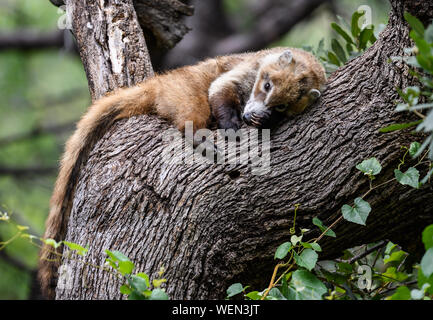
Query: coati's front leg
column 225, row 99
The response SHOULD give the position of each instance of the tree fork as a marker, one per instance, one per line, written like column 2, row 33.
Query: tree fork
column 209, row 227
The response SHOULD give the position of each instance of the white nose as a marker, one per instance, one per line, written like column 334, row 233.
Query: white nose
column 255, row 106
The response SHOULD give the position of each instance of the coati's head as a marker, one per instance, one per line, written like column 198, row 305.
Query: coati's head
column 282, row 86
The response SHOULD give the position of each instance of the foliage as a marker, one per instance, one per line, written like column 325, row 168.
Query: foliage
column 418, row 99
column 136, row 286
column 353, row 40
column 375, row 274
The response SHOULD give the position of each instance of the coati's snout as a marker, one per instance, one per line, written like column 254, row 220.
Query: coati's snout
column 256, row 114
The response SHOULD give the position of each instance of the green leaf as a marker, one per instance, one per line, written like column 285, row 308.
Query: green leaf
column 295, row 239
column 365, row 36
column 138, row 283
column 338, row 50
column 396, row 256
column 370, row 166
column 342, row 33
column 305, row 286
column 345, row 267
column 422, row 280
column 313, row 245
column 52, row 242
column 402, row 293
column 358, row 213
column 136, row 296
column 307, row 259
column 317, row 222
column 399, row 126
column 125, row 289
column 234, row 289
column 413, row 148
column 76, row 247
column 117, row 255
column 391, row 274
column 355, row 23
column 125, row 267
column 415, row 24
column 254, row 295
column 427, row 263
column 275, row 294
column 282, row 250
column 285, row 288
column 410, row 177
column 333, row 59
column 157, row 282
column 158, row 294
column 145, row 277
column 427, row 237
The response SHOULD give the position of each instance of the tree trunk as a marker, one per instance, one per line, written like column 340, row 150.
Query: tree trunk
column 211, row 225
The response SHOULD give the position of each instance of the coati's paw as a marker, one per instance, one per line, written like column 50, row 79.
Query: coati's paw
column 234, row 123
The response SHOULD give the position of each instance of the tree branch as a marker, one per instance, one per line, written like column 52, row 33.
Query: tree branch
column 36, row 40
column 29, row 171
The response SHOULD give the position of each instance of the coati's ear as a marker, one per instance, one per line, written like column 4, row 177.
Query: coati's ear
column 285, row 59
column 314, row 94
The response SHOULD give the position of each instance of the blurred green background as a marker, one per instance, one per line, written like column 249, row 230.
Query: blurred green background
column 44, row 92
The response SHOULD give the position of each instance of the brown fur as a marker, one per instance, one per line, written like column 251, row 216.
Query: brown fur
column 180, row 95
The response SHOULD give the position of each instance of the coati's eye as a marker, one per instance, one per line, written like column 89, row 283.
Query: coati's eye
column 267, row 86
column 281, row 108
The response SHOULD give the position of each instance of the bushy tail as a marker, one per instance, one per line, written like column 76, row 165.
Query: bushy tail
column 123, row 103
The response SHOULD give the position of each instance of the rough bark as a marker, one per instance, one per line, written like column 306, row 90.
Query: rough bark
column 162, row 19
column 211, row 225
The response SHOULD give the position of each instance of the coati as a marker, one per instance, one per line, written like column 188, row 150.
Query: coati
column 267, row 82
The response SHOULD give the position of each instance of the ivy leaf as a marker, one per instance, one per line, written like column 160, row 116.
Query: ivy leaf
column 125, row 289
column 396, row 256
column 275, row 294
column 317, row 222
column 138, row 283
column 158, row 294
column 157, row 282
column 254, row 295
column 52, row 242
column 307, row 259
column 413, row 149
column 283, row 250
column 410, row 177
column 235, row 289
column 313, row 245
column 391, row 274
column 402, row 293
column 295, row 239
column 76, row 247
column 427, row 237
column 305, row 286
column 370, row 166
column 427, row 263
column 126, row 267
column 357, row 214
